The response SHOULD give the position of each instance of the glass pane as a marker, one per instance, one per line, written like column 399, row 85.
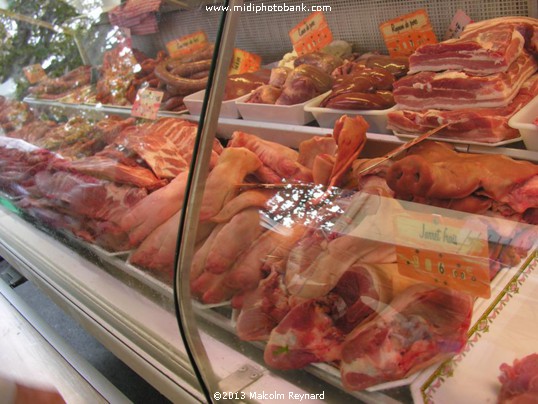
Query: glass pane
column 95, row 149
column 323, row 269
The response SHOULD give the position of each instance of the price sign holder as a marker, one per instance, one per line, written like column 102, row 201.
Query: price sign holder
column 406, row 33
column 244, row 62
column 312, row 34
column 459, row 22
column 147, row 103
column 187, row 44
column 34, row 73
column 443, row 251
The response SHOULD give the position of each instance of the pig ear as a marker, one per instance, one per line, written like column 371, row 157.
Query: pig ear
column 338, row 125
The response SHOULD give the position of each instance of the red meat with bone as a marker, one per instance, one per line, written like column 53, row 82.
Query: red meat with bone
column 421, row 326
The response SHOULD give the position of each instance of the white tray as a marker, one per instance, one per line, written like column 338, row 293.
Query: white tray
column 326, row 117
column 288, row 114
column 523, row 120
column 406, row 137
column 228, row 108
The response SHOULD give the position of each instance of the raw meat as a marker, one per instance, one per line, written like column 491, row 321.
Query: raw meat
column 233, row 240
column 157, row 251
column 519, row 382
column 280, row 159
column 422, row 325
column 263, row 308
column 350, row 136
column 457, row 90
column 251, row 198
column 484, row 47
column 154, row 209
column 222, row 185
column 88, row 196
column 106, row 168
column 487, row 125
column 433, row 170
column 158, row 151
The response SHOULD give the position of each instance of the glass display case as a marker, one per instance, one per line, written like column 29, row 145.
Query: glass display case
column 249, row 203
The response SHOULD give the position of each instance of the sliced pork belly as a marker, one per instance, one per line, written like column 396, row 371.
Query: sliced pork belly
column 454, row 90
column 487, row 125
column 484, row 47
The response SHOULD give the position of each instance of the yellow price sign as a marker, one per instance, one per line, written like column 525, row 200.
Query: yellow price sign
column 312, row 34
column 186, row 44
column 444, row 251
column 244, row 62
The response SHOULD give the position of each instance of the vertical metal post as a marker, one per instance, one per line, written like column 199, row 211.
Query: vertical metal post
column 195, row 189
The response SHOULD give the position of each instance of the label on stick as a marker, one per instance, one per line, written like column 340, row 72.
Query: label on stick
column 244, row 62
column 186, row 44
column 147, row 103
column 312, row 34
column 404, row 34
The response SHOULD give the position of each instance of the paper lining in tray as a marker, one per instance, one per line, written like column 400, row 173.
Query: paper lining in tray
column 326, row 117
column 406, row 137
column 504, row 328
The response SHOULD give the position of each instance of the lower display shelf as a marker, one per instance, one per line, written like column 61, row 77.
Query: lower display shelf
column 512, row 289
column 113, row 307
column 117, row 290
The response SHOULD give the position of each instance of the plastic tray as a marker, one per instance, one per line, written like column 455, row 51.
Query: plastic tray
column 326, row 117
column 523, row 120
column 288, row 114
column 228, row 108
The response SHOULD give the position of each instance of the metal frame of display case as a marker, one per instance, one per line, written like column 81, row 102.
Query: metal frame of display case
column 137, row 323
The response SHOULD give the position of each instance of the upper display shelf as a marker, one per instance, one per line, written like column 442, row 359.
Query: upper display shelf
column 469, row 95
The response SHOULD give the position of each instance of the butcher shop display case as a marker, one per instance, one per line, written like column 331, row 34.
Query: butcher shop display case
column 258, row 203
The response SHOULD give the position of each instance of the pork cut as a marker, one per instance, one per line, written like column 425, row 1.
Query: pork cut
column 280, row 160
column 487, row 125
column 454, row 90
column 484, row 47
column 422, row 325
column 434, row 170
column 519, row 382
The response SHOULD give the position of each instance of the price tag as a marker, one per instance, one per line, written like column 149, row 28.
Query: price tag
column 147, row 103
column 406, row 33
column 34, row 73
column 312, row 34
column 186, row 44
column 244, row 62
column 444, row 252
column 459, row 22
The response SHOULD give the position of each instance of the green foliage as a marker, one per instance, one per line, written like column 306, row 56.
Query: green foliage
column 25, row 44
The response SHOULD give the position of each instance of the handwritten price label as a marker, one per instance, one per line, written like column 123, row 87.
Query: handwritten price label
column 186, row 44
column 444, row 252
column 459, row 22
column 406, row 33
column 244, row 62
column 147, row 103
column 312, row 34
column 34, row 73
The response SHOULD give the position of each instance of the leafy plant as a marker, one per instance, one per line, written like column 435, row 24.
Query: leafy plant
column 23, row 44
